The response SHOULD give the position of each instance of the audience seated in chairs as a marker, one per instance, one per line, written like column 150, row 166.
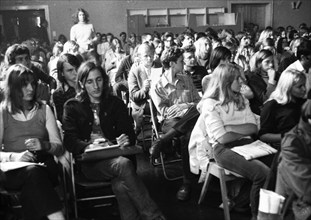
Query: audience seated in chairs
column 30, row 134
column 94, row 115
column 229, row 122
column 175, row 97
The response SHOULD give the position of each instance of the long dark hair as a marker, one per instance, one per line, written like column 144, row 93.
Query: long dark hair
column 18, row 76
column 83, row 73
column 75, row 16
column 218, row 54
column 66, row 58
column 263, row 54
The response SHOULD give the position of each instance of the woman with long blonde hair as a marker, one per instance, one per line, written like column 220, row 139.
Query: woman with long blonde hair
column 203, row 48
column 281, row 112
column 229, row 122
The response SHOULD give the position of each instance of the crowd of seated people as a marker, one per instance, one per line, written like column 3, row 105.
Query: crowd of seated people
column 228, row 88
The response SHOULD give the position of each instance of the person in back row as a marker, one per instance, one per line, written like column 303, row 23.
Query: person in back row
column 67, row 67
column 303, row 64
column 82, row 31
column 20, row 54
column 96, row 114
column 192, row 69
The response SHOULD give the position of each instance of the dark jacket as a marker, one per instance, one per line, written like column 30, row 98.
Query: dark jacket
column 295, row 165
column 78, row 120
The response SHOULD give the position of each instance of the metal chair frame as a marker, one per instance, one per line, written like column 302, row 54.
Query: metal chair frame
column 155, row 135
column 75, row 180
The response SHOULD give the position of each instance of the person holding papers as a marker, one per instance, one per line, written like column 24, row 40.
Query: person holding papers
column 229, row 122
column 95, row 115
column 29, row 133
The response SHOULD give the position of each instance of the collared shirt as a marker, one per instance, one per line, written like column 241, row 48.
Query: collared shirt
column 166, row 94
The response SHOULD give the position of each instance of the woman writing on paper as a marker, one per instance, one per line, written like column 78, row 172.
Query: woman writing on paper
column 96, row 114
column 229, row 122
column 30, row 134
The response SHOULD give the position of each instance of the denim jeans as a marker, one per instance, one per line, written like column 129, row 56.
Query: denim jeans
column 253, row 170
column 168, row 124
column 133, row 198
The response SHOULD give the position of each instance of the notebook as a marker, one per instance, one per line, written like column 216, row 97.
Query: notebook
column 254, row 150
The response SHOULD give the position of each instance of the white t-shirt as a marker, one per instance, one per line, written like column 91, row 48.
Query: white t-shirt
column 83, row 34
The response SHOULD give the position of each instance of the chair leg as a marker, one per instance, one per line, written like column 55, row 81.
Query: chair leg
column 73, row 188
column 224, row 195
column 205, row 185
column 164, row 169
column 65, row 193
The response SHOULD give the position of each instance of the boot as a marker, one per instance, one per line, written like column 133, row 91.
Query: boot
column 157, row 146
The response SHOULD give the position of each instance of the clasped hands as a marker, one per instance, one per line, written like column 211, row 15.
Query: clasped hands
column 32, row 145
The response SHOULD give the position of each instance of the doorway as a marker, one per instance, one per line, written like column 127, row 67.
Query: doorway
column 256, row 12
column 20, row 23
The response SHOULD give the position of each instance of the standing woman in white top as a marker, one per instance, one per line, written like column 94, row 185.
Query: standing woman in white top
column 82, row 32
column 229, row 122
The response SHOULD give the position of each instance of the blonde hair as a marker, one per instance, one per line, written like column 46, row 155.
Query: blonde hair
column 200, row 47
column 282, row 92
column 219, row 87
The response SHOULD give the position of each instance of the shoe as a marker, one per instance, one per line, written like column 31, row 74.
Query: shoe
column 160, row 217
column 184, row 192
column 156, row 148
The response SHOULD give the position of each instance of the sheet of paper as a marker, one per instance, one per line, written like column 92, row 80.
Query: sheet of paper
column 99, row 147
column 254, row 150
column 7, row 166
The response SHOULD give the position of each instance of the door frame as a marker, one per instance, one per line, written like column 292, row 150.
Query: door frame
column 269, row 7
column 32, row 7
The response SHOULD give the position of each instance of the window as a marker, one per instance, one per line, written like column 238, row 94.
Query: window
column 199, row 14
column 157, row 18
column 178, row 17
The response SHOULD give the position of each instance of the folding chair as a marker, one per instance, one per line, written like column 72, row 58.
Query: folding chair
column 155, row 135
column 78, row 180
column 224, row 176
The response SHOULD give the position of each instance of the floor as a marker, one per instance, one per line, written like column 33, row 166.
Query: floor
column 164, row 194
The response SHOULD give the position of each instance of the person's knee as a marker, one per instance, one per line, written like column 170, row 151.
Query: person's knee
column 262, row 174
column 34, row 172
column 125, row 165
